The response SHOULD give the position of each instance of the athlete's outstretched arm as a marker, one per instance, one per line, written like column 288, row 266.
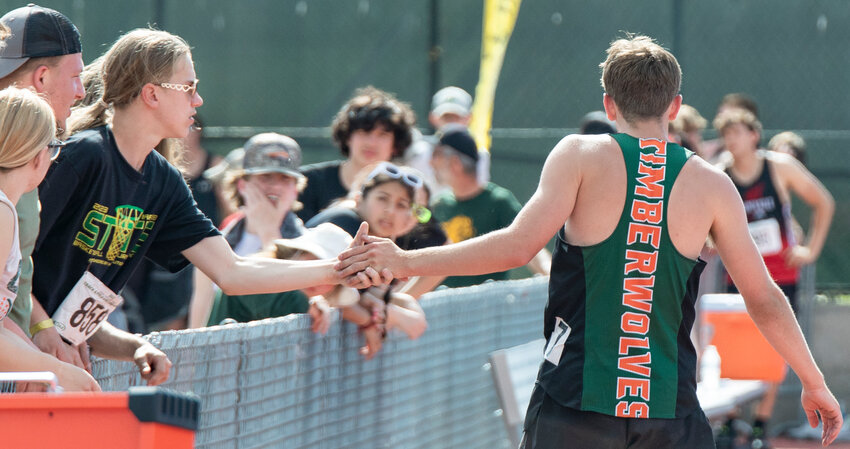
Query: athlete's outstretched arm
column 251, row 275
column 768, row 306
column 511, row 247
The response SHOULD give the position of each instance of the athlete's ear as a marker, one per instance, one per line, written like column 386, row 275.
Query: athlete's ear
column 673, row 109
column 610, row 107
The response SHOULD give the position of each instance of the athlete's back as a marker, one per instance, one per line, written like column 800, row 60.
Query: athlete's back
column 601, row 195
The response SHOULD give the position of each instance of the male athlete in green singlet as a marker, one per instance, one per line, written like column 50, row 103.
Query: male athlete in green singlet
column 632, row 213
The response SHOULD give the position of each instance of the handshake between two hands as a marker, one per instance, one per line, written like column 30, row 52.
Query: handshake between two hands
column 368, row 261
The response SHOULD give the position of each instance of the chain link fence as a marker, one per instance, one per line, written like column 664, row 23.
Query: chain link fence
column 275, row 384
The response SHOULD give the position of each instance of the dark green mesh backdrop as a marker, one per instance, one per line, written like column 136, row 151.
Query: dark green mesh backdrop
column 290, row 64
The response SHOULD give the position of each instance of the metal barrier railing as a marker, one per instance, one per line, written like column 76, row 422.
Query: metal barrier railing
column 275, row 384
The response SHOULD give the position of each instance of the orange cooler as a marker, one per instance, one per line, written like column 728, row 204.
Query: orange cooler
column 144, row 417
column 744, row 352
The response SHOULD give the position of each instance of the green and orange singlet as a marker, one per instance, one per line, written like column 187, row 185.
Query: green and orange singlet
column 620, row 312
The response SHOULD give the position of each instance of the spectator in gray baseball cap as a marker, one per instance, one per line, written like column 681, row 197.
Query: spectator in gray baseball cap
column 40, row 49
column 264, row 191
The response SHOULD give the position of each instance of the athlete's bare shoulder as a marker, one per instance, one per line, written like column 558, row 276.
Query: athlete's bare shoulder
column 700, row 165
column 584, row 142
column 581, row 147
column 576, row 158
column 708, row 181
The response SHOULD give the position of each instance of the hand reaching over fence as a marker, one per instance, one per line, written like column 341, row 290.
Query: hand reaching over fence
column 363, row 275
column 153, row 364
column 375, row 254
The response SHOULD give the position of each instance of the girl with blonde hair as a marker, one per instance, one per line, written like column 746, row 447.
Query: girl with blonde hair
column 27, row 128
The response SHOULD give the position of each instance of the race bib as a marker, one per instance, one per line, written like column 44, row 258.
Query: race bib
column 767, row 236
column 84, row 309
column 555, row 346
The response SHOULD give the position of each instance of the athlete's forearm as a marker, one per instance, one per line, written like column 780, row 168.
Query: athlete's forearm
column 489, row 253
column 775, row 319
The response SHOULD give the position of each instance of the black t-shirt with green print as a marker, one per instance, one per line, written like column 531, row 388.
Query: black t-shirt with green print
column 99, row 213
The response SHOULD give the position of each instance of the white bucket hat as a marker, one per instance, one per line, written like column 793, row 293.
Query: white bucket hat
column 325, row 241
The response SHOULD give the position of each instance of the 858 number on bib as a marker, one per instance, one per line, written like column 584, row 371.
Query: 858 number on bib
column 88, row 317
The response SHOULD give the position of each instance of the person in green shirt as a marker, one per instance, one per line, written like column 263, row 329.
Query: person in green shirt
column 472, row 209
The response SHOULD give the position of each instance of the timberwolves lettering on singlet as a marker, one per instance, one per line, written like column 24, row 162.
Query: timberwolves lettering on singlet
column 642, row 243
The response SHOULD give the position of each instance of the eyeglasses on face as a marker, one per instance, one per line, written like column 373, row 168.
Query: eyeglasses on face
column 191, row 87
column 394, row 172
column 54, row 148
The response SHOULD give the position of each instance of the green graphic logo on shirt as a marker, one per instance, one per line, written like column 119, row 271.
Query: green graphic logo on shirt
column 106, row 237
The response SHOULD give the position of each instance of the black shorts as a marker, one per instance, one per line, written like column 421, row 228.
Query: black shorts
column 549, row 425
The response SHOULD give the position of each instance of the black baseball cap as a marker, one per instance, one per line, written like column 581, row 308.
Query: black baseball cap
column 461, row 141
column 36, row 32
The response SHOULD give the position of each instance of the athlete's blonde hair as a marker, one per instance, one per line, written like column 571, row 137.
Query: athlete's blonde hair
column 641, row 77
column 137, row 58
column 27, row 125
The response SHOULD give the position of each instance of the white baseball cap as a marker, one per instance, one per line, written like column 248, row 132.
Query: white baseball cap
column 451, row 100
column 325, row 241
